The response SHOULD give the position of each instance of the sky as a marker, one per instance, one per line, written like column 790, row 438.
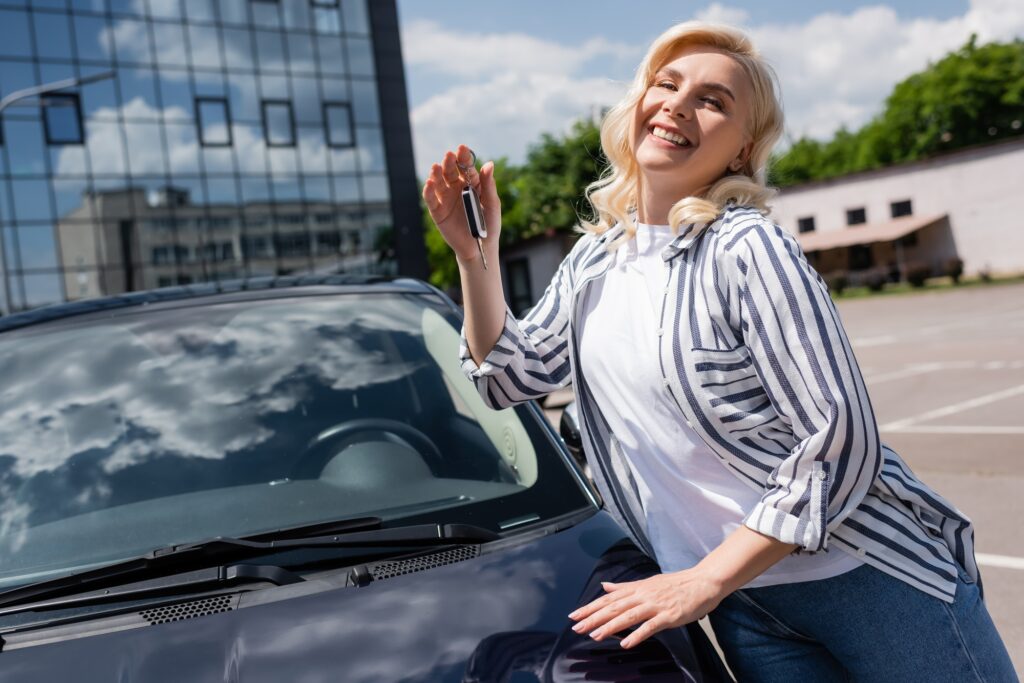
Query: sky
column 496, row 76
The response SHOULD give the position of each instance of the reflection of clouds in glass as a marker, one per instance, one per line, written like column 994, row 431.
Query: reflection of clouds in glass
column 107, row 153
column 111, row 390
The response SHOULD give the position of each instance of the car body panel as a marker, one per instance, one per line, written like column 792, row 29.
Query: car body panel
column 482, row 619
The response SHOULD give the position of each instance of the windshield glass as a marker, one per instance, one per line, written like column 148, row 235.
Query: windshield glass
column 123, row 433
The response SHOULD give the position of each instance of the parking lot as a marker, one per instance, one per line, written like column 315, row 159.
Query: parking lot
column 946, row 375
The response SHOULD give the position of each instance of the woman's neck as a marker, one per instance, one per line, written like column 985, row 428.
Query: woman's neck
column 655, row 203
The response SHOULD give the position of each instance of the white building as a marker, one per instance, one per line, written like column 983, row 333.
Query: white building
column 964, row 205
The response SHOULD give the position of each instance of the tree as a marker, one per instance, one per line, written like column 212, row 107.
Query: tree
column 551, row 184
column 971, row 96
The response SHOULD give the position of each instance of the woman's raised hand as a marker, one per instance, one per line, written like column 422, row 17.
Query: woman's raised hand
column 443, row 195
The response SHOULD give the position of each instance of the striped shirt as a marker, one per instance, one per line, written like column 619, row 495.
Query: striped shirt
column 754, row 355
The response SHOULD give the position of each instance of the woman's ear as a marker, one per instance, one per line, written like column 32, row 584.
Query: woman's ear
column 741, row 158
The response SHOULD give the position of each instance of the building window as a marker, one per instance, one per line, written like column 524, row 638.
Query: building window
column 338, row 121
column 326, row 18
column 805, row 224
column 856, row 216
column 901, row 208
column 213, row 118
column 62, row 119
column 278, row 123
column 520, row 297
column 162, row 256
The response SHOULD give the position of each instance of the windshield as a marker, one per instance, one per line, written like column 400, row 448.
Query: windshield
column 124, row 433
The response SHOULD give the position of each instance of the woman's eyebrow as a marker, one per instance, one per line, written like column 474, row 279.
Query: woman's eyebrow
column 718, row 87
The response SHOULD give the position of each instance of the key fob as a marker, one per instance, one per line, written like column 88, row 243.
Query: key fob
column 474, row 214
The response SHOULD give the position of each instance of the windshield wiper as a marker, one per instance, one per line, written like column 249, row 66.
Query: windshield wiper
column 176, row 557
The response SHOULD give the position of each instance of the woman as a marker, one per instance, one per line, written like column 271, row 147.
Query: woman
column 723, row 415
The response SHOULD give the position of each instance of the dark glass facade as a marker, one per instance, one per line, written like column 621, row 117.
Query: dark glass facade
column 232, row 138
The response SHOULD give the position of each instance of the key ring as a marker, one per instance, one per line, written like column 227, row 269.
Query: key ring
column 472, row 163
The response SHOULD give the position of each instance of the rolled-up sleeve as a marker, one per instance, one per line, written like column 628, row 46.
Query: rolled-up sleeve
column 803, row 357
column 531, row 357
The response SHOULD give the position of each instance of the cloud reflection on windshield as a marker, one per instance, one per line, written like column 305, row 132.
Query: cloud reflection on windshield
column 81, row 405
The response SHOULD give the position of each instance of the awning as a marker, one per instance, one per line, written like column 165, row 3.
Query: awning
column 866, row 233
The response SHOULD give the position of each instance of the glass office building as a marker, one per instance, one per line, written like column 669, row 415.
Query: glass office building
column 201, row 140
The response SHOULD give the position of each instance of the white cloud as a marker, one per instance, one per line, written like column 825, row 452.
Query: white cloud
column 837, row 69
column 501, row 117
column 717, row 12
column 483, row 55
column 506, row 89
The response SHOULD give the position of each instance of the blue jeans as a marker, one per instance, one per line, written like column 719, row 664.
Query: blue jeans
column 863, row 625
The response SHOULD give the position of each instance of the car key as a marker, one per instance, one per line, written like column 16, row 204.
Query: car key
column 474, row 214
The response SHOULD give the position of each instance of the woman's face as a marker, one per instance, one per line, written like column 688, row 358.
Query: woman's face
column 700, row 100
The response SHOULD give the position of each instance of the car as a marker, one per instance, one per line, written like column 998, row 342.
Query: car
column 291, row 479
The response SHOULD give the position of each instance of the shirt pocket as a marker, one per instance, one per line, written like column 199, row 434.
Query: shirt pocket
column 731, row 391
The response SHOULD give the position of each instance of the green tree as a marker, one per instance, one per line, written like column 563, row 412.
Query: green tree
column 971, row 96
column 551, row 184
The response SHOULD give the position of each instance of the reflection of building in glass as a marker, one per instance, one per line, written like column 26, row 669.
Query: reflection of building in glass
column 236, row 138
column 163, row 239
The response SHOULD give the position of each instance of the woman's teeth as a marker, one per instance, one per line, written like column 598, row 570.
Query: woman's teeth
column 671, row 137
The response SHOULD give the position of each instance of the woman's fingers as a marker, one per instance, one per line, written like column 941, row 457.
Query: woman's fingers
column 464, row 159
column 633, row 615
column 449, row 169
column 600, row 618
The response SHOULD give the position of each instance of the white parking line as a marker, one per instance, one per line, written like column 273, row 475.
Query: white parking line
column 952, row 429
column 923, row 368
column 955, row 408
column 1004, row 561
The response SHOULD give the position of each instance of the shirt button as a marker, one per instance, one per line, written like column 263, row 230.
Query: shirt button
column 659, row 331
column 665, row 383
column 822, row 475
column 861, row 552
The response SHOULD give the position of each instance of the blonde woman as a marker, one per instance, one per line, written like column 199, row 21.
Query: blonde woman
column 723, row 415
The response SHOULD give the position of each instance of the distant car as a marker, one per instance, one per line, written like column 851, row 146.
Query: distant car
column 292, row 480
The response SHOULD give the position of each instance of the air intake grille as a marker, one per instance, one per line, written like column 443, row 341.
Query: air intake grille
column 389, row 570
column 188, row 610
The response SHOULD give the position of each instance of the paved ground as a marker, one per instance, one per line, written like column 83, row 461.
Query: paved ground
column 946, row 375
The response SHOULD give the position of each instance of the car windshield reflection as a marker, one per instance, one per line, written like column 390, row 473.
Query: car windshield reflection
column 126, row 433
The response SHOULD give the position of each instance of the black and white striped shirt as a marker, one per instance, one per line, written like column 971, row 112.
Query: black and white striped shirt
column 754, row 355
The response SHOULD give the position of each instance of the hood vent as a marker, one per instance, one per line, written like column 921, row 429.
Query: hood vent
column 190, row 610
column 389, row 570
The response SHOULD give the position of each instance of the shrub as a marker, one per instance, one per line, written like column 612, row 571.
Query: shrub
column 917, row 273
column 954, row 268
column 876, row 281
column 837, row 282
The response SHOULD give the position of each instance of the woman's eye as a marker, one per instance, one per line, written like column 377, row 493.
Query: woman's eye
column 714, row 102
column 669, row 85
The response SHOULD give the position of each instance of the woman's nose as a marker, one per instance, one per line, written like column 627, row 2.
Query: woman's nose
column 678, row 105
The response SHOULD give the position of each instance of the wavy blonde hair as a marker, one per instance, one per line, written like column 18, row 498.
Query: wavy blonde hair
column 614, row 196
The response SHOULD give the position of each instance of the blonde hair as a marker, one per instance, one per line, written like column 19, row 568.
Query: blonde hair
column 614, row 196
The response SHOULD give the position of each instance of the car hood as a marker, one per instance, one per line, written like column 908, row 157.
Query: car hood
column 501, row 614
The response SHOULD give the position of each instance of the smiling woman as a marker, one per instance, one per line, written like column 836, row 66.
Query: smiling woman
column 722, row 412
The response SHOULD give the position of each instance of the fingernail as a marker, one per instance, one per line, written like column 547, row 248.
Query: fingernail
column 577, row 628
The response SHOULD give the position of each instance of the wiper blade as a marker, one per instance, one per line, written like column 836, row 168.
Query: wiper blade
column 192, row 554
column 167, row 585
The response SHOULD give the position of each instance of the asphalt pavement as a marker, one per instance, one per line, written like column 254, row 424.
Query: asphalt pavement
column 945, row 372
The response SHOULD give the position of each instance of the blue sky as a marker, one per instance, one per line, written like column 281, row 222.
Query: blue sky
column 498, row 75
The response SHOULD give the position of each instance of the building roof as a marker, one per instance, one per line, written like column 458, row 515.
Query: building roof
column 867, row 233
column 1003, row 146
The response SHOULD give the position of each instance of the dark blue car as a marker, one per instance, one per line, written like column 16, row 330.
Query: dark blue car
column 291, row 480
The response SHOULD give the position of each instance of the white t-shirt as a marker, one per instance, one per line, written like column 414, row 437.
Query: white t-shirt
column 691, row 501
